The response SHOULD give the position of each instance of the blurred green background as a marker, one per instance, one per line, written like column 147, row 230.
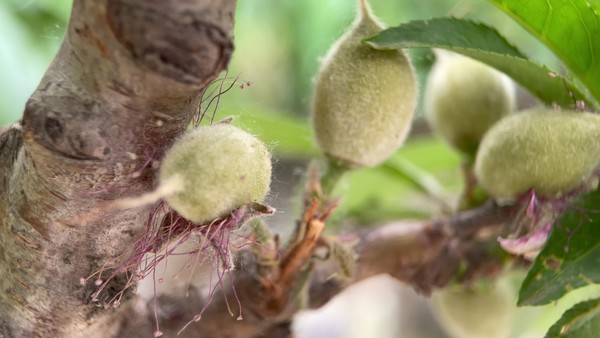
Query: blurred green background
column 278, row 46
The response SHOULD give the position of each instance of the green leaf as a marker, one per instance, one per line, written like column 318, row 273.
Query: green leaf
column 580, row 321
column 287, row 136
column 373, row 195
column 485, row 44
column 569, row 28
column 421, row 179
column 571, row 256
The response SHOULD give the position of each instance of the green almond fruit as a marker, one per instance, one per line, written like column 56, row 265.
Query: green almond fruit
column 220, row 168
column 481, row 311
column 548, row 151
column 364, row 99
column 464, row 98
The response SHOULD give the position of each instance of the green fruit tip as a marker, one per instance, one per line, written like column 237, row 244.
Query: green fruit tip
column 364, row 99
column 365, row 21
column 552, row 153
column 220, row 168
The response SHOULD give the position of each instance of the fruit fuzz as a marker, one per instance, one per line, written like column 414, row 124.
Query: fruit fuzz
column 364, row 98
column 548, row 151
column 219, row 167
column 464, row 98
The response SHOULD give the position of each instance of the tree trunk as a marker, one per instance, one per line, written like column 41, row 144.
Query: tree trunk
column 125, row 82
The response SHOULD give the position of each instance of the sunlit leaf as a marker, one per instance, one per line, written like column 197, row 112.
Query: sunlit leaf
column 581, row 321
column 569, row 28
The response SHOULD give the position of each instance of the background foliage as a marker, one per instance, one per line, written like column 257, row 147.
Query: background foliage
column 278, row 45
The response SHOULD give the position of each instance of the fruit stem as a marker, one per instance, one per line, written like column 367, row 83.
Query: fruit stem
column 473, row 195
column 334, row 172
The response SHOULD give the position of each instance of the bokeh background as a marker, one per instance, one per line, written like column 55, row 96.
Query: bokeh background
column 278, row 46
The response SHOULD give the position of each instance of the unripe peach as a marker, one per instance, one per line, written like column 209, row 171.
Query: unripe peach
column 464, row 98
column 481, row 311
column 219, row 167
column 364, row 98
column 550, row 152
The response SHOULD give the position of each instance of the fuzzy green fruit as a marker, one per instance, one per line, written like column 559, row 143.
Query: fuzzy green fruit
column 220, row 167
column 464, row 98
column 364, row 99
column 550, row 152
column 483, row 311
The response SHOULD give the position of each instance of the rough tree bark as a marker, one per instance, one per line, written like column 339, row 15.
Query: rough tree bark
column 126, row 81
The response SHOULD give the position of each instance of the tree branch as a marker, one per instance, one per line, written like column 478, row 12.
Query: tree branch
column 425, row 255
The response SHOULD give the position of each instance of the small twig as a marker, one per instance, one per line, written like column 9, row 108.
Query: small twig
column 300, row 254
column 296, row 257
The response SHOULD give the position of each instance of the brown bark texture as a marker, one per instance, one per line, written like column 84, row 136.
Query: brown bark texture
column 125, row 83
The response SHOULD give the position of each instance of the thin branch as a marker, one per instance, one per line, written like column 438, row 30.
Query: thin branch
column 425, row 255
